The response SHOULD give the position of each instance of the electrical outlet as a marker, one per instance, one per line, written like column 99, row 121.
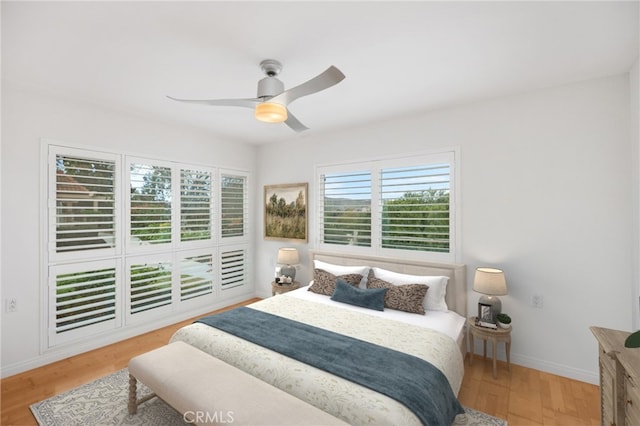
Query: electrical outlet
column 12, row 305
column 537, row 301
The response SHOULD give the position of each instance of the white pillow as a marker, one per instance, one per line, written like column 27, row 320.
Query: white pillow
column 435, row 299
column 338, row 270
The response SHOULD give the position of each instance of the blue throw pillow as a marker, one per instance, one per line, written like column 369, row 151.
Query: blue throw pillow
column 370, row 298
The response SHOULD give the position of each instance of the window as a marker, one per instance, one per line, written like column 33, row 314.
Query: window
column 414, row 204
column 196, row 276
column 233, row 202
column 132, row 240
column 233, row 267
column 83, row 296
column 346, row 201
column 234, row 258
column 151, row 284
column 390, row 206
column 195, row 205
column 84, row 190
column 150, row 204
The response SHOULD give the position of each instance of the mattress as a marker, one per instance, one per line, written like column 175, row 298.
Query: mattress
column 351, row 402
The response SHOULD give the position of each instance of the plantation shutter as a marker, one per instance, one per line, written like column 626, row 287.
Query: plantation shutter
column 233, row 205
column 178, row 255
column 233, row 268
column 345, row 208
column 413, row 210
column 150, row 285
column 150, row 204
column 195, row 205
column 83, row 299
column 415, row 207
column 84, row 195
column 196, row 276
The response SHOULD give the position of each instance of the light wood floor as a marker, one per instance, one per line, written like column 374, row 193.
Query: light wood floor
column 528, row 397
column 524, row 397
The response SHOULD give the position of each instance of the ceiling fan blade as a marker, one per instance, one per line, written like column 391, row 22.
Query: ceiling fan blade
column 247, row 103
column 294, row 124
column 330, row 77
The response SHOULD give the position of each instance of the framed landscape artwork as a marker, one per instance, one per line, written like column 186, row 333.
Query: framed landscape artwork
column 285, row 212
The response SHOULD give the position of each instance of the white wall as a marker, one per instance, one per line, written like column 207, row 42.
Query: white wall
column 27, row 117
column 546, row 183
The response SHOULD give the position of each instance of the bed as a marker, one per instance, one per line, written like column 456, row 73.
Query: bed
column 437, row 337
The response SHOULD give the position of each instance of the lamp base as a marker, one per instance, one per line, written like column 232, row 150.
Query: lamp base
column 289, row 271
column 496, row 307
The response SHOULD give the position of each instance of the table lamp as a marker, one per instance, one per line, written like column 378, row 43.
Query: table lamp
column 288, row 256
column 491, row 283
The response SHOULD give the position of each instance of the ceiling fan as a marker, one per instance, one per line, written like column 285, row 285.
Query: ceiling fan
column 272, row 100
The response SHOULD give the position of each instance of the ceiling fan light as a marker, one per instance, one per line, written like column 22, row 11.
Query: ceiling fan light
column 271, row 112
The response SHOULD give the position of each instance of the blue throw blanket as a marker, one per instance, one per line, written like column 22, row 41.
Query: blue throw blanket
column 414, row 382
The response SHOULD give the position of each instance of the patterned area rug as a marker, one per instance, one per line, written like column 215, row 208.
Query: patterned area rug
column 104, row 402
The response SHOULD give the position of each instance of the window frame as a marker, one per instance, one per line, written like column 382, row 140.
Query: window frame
column 213, row 224
column 375, row 165
column 80, row 333
column 129, row 247
column 123, row 253
column 236, row 239
column 49, row 195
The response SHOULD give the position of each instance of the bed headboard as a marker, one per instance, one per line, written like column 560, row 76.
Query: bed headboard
column 456, row 288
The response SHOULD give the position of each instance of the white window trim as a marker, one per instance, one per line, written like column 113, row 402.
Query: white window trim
column 120, row 254
column 450, row 155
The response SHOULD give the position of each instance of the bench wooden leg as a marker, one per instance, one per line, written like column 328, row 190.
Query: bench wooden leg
column 133, row 394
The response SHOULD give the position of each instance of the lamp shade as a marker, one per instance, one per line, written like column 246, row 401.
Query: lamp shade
column 490, row 281
column 288, row 256
column 271, row 112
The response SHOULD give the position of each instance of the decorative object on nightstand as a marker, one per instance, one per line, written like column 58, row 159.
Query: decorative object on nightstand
column 493, row 335
column 490, row 282
column 277, row 287
column 288, row 257
column 504, row 320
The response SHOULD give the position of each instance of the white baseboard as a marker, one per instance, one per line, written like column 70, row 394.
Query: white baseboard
column 579, row 374
column 54, row 355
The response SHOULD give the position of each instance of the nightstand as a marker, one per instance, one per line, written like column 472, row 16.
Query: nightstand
column 277, row 288
column 494, row 336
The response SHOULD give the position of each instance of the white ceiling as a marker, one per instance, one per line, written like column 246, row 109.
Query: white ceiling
column 399, row 57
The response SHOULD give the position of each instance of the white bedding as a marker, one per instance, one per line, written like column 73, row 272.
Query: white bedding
column 353, row 403
column 450, row 323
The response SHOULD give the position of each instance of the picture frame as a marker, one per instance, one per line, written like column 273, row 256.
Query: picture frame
column 285, row 212
column 485, row 313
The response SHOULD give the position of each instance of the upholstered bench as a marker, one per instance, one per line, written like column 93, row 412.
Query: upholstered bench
column 206, row 390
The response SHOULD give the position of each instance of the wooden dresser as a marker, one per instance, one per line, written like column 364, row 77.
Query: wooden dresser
column 619, row 378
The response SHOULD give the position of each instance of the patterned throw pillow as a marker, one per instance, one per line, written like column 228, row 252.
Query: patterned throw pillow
column 325, row 282
column 407, row 297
